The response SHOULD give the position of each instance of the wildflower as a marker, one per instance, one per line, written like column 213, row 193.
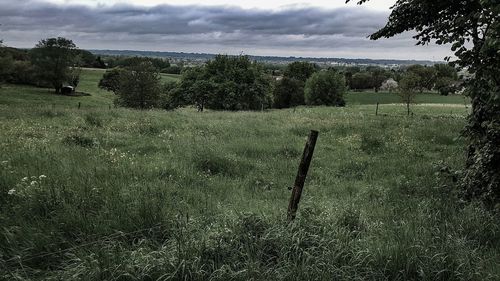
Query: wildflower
column 11, row 192
column 33, row 183
column 25, row 179
column 42, row 177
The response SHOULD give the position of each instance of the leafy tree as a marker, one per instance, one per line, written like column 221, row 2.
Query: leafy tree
column 427, row 76
column 473, row 30
column 6, row 64
column 52, row 59
column 445, row 71
column 300, row 70
column 232, row 83
column 325, row 88
column 74, row 76
column 110, row 80
column 288, row 92
column 158, row 63
column 139, row 87
column 361, row 81
column 378, row 75
column 409, row 86
column 445, row 86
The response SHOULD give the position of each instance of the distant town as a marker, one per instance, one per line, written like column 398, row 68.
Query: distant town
column 200, row 58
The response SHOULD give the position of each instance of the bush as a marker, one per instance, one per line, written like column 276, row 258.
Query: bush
column 288, row 92
column 139, row 87
column 325, row 88
column 110, row 81
column 226, row 83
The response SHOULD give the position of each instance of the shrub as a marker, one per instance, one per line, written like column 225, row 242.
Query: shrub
column 226, row 83
column 139, row 87
column 325, row 88
column 288, row 92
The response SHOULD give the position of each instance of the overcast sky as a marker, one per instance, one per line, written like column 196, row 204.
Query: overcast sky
column 320, row 28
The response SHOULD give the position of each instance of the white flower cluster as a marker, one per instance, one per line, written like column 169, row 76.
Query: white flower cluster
column 26, row 184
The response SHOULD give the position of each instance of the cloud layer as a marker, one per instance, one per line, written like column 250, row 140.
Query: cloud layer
column 308, row 31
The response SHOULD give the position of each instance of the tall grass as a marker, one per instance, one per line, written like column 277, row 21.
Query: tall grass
column 99, row 194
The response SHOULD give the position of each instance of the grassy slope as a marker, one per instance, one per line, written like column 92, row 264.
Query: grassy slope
column 373, row 207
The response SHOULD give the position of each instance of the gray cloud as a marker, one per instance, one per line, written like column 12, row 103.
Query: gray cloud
column 177, row 27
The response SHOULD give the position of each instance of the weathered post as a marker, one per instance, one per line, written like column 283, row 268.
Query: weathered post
column 376, row 111
column 79, row 105
column 301, row 175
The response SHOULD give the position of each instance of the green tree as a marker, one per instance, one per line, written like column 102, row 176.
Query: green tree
column 6, row 65
column 427, row 76
column 300, row 70
column 139, row 87
column 472, row 28
column 378, row 75
column 231, row 83
column 409, row 86
column 361, row 81
column 52, row 59
column 445, row 70
column 325, row 88
column 110, row 80
column 288, row 92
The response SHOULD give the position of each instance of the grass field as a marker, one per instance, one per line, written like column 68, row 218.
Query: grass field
column 100, row 194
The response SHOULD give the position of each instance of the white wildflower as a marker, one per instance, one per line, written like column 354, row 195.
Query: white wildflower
column 25, row 179
column 11, row 192
column 42, row 177
column 33, row 183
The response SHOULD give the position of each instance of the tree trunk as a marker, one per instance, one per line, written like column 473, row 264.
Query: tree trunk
column 481, row 178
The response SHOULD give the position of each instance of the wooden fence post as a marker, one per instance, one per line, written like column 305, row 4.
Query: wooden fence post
column 376, row 111
column 301, row 175
column 79, row 105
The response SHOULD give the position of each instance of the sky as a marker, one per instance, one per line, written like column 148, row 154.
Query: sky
column 319, row 28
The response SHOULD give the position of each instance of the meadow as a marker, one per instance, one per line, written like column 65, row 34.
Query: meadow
column 101, row 193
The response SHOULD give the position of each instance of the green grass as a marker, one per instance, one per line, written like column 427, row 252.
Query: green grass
column 390, row 98
column 170, row 77
column 99, row 194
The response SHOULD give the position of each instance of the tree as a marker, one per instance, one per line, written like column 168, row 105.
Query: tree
column 378, row 75
column 361, row 81
column 110, row 80
column 232, row 83
column 473, row 30
column 409, row 86
column 52, row 59
column 300, row 70
column 139, row 87
column 325, row 88
column 389, row 85
column 427, row 76
column 288, row 92
column 6, row 65
column 445, row 71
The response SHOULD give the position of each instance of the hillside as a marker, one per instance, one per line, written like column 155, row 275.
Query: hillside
column 99, row 193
